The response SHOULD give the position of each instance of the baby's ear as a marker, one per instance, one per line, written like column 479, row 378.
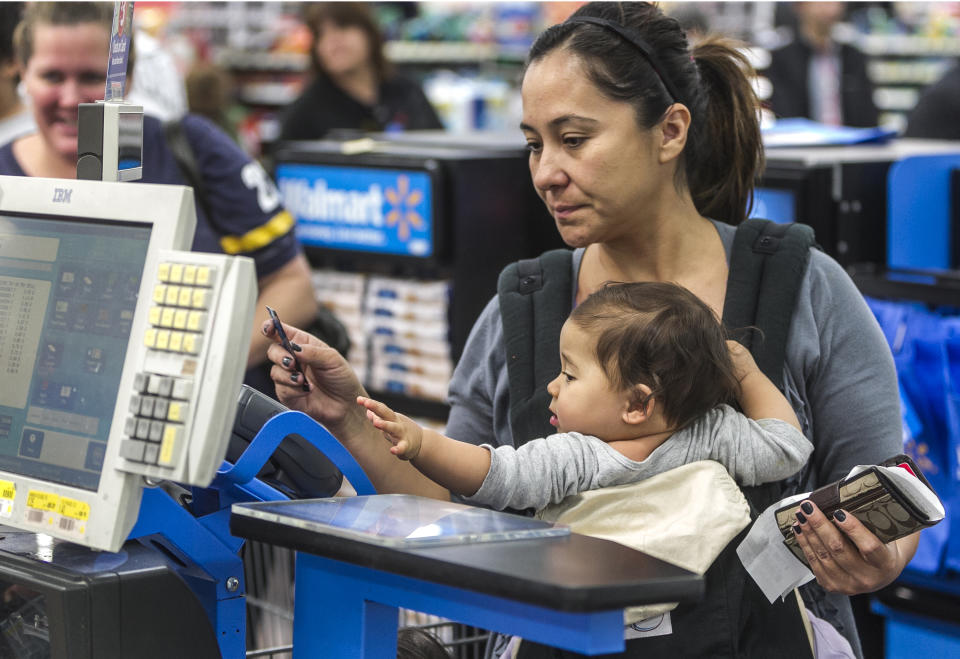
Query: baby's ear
column 639, row 404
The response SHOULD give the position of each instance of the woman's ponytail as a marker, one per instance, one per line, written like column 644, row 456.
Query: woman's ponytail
column 727, row 150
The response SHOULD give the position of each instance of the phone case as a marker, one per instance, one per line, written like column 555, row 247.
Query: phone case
column 871, row 497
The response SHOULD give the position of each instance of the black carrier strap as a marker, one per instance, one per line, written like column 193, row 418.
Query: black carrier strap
column 535, row 300
column 767, row 267
column 766, row 270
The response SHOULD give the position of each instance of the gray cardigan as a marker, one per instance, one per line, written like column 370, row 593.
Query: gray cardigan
column 839, row 378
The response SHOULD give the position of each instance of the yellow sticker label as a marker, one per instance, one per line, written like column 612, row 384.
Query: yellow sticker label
column 8, row 490
column 43, row 500
column 74, row 509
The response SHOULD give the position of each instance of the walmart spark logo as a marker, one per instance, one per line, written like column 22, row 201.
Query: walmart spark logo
column 360, row 208
column 403, row 202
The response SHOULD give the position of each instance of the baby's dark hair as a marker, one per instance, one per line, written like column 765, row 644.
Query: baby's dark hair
column 661, row 335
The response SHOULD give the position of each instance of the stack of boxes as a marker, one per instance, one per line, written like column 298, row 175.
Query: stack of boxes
column 399, row 330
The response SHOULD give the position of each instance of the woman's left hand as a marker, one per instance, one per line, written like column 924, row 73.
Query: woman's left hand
column 845, row 556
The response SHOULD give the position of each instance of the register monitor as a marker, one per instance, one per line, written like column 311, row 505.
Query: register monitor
column 118, row 352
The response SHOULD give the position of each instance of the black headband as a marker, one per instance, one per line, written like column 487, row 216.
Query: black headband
column 634, row 38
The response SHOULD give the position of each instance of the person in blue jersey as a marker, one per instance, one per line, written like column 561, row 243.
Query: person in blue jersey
column 61, row 48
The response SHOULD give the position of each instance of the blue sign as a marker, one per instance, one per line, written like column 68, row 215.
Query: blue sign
column 358, row 208
column 774, row 204
column 119, row 51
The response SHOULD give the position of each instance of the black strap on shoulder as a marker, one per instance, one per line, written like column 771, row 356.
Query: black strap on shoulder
column 179, row 145
column 535, row 300
column 767, row 266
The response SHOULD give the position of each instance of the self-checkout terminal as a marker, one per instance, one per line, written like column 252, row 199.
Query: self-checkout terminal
column 119, row 373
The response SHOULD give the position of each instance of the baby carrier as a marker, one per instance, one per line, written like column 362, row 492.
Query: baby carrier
column 767, row 266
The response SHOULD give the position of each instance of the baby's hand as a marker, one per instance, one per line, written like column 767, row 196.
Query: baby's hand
column 743, row 363
column 405, row 435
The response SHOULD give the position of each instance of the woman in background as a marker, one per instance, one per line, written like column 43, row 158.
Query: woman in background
column 353, row 85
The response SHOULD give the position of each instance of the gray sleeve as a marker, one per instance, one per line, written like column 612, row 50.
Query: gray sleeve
column 479, row 393
column 543, row 471
column 839, row 356
column 753, row 451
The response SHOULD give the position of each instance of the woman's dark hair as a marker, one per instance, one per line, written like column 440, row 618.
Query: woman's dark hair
column 345, row 14
column 724, row 152
column 661, row 335
column 10, row 13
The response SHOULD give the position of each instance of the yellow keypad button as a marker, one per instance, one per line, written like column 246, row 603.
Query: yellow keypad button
column 177, row 411
column 180, row 319
column 163, row 272
column 190, row 274
column 176, row 273
column 173, row 294
column 160, row 293
column 185, row 296
column 154, row 316
column 166, row 317
column 171, row 437
column 196, row 321
column 201, row 298
column 192, row 343
column 163, row 339
column 176, row 341
column 203, row 275
column 150, row 338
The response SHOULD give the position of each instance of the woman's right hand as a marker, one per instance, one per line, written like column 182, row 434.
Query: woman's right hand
column 332, row 385
column 330, row 397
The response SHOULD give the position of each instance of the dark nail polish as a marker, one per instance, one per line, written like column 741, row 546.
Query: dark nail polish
column 839, row 515
column 286, row 361
column 796, row 529
column 807, row 507
column 801, row 517
column 295, row 347
column 295, row 377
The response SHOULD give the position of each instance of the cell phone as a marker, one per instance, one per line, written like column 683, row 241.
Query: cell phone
column 286, row 344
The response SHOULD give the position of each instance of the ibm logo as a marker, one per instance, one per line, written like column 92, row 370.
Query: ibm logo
column 62, row 195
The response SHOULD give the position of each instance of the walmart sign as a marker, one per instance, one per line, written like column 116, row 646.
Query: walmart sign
column 359, row 208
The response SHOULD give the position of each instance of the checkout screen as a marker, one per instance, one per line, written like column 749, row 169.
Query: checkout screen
column 68, row 290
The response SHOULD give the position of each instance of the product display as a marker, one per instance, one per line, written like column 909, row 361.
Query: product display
column 399, row 330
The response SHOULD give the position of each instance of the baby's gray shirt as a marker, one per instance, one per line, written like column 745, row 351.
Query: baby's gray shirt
column 548, row 469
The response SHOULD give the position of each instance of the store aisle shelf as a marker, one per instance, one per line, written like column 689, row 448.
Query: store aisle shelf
column 425, row 52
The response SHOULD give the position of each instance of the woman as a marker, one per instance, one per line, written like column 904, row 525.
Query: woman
column 645, row 153
column 61, row 49
column 353, row 86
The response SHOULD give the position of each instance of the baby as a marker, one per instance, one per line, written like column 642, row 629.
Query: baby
column 646, row 383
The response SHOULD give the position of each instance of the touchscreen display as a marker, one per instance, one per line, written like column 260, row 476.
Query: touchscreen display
column 68, row 290
column 401, row 520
